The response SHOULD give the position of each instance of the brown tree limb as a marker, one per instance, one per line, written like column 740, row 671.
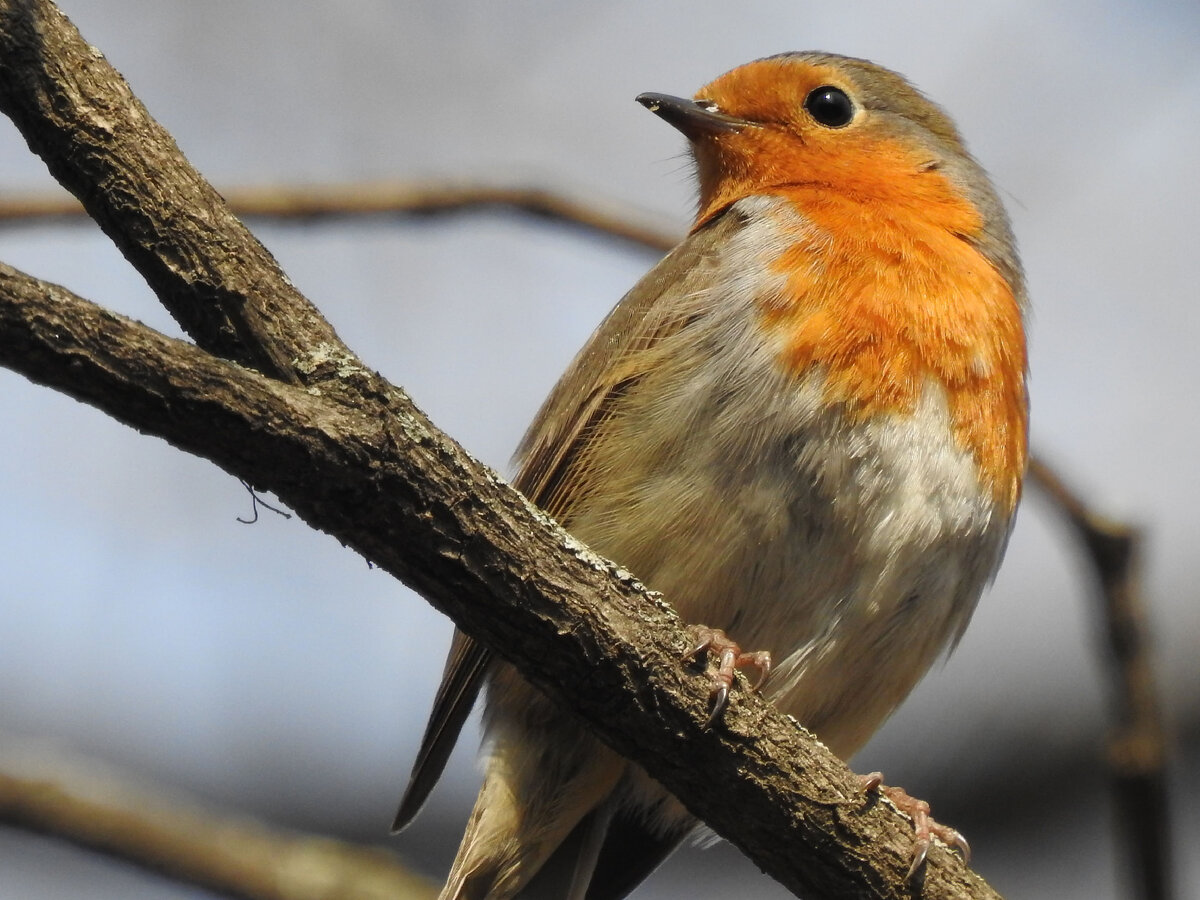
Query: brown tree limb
column 77, row 113
column 238, row 856
column 1137, row 747
column 378, row 477
column 392, row 198
column 354, row 458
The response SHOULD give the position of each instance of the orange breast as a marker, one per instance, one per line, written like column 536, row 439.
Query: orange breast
column 884, row 299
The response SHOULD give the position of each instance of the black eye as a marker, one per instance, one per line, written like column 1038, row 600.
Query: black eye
column 830, row 106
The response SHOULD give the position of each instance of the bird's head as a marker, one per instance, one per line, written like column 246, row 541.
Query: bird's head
column 821, row 123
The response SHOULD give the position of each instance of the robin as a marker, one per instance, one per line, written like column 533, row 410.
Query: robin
column 805, row 427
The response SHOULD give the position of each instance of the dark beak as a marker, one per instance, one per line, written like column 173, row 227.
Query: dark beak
column 695, row 118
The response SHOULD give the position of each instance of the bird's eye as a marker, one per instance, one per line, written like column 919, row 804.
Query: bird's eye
column 830, row 106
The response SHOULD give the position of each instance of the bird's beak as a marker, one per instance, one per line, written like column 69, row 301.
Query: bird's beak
column 695, row 118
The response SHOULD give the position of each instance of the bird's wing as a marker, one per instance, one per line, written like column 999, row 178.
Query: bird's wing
column 552, row 460
column 466, row 665
column 553, row 454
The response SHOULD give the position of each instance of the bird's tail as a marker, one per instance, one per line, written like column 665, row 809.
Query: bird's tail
column 536, row 790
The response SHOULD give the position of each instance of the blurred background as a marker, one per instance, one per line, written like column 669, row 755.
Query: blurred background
column 266, row 670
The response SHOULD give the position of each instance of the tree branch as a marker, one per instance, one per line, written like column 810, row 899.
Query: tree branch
column 354, row 458
column 77, row 113
column 236, row 856
column 394, row 198
column 1137, row 747
column 379, row 478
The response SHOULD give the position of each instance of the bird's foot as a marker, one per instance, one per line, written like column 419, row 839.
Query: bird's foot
column 924, row 826
column 730, row 658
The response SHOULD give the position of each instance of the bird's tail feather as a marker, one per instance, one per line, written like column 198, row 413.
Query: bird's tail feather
column 529, row 804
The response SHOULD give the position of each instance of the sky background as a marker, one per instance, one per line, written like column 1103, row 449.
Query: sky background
column 265, row 669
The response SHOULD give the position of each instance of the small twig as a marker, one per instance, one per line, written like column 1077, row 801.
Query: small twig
column 230, row 854
column 1137, row 745
column 256, row 501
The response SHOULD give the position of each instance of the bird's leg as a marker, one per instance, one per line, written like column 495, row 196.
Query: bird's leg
column 730, row 659
column 925, row 827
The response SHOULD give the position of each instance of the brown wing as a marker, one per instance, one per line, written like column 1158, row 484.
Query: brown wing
column 554, row 447
column 466, row 665
column 610, row 365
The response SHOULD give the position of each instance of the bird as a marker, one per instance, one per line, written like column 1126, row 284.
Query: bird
column 806, row 427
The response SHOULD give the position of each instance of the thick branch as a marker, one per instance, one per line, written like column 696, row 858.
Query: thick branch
column 78, row 114
column 382, row 480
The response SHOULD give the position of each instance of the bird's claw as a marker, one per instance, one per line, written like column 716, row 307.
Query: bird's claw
column 730, row 659
column 925, row 827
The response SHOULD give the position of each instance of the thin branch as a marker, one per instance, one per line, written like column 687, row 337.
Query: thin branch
column 1137, row 748
column 393, row 198
column 353, row 457
column 235, row 856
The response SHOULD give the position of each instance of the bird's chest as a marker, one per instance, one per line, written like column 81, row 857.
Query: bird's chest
column 733, row 482
column 800, row 470
column 886, row 309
